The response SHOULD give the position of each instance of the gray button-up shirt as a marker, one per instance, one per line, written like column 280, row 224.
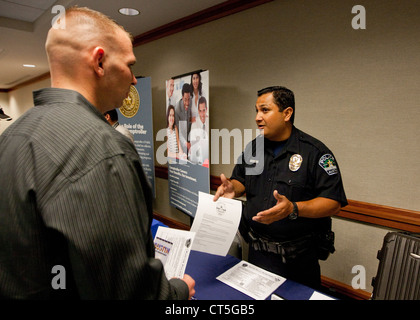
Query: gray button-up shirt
column 73, row 194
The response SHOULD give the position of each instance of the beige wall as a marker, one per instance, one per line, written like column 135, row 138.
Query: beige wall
column 356, row 90
column 16, row 102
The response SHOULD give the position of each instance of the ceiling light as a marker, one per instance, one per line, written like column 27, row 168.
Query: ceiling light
column 29, row 65
column 129, row 11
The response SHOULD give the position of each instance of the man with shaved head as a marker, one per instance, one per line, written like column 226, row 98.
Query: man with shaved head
column 75, row 205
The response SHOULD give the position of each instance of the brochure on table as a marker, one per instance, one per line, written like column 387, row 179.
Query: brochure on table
column 251, row 280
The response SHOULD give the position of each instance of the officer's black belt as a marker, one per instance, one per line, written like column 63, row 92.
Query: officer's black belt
column 278, row 247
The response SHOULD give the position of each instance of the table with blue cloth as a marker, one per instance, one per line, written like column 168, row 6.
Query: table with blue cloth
column 155, row 225
column 204, row 268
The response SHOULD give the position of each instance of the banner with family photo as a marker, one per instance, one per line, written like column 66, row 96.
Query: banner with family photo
column 188, row 139
column 136, row 116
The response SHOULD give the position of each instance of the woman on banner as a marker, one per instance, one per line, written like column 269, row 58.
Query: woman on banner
column 173, row 144
column 196, row 94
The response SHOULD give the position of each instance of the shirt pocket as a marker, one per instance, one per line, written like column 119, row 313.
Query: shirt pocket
column 294, row 187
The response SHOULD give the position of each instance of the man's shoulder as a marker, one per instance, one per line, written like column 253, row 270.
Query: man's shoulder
column 310, row 140
column 179, row 105
column 71, row 130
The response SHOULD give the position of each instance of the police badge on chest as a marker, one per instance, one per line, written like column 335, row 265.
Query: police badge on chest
column 295, row 162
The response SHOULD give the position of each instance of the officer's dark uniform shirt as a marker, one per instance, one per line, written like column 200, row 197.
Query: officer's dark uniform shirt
column 301, row 169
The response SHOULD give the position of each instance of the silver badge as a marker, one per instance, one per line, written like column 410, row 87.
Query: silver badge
column 295, row 162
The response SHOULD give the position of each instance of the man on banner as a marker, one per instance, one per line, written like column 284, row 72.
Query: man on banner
column 183, row 118
column 199, row 135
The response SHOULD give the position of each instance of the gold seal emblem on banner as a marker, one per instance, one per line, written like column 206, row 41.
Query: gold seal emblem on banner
column 131, row 104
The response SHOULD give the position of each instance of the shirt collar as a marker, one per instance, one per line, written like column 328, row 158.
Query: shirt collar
column 292, row 144
column 58, row 95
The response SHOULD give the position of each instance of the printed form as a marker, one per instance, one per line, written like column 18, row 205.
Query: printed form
column 251, row 280
column 172, row 247
column 215, row 224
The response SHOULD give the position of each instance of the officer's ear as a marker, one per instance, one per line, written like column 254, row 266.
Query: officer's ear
column 287, row 113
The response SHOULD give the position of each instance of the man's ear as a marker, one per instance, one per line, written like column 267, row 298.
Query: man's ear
column 98, row 61
column 288, row 113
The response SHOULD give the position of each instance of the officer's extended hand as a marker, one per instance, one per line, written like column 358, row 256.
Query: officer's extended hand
column 226, row 189
column 280, row 211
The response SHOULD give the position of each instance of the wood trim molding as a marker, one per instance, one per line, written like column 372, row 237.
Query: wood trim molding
column 407, row 220
column 345, row 289
column 402, row 219
column 161, row 172
column 170, row 222
column 213, row 13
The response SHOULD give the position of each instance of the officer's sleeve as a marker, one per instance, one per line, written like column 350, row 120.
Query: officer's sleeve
column 328, row 181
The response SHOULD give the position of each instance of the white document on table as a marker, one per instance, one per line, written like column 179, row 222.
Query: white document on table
column 320, row 296
column 173, row 247
column 251, row 280
column 215, row 224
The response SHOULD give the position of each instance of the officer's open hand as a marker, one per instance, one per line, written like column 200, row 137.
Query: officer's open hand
column 225, row 190
column 281, row 210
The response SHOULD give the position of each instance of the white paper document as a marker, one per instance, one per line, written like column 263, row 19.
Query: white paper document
column 320, row 296
column 251, row 280
column 215, row 224
column 162, row 249
column 172, row 247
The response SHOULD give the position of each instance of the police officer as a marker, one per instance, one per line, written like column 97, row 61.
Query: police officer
column 293, row 186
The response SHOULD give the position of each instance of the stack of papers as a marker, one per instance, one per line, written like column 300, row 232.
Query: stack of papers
column 214, row 228
column 213, row 231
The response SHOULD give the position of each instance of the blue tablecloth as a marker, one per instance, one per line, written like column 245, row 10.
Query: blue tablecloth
column 155, row 225
column 205, row 268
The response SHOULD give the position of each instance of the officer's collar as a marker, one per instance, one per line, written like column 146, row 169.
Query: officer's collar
column 292, row 144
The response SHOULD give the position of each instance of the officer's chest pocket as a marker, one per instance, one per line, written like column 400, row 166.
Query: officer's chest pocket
column 295, row 188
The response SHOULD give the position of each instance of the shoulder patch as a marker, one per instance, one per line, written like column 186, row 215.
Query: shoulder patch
column 327, row 162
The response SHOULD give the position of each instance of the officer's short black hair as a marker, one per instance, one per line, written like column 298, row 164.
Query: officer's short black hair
column 283, row 98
